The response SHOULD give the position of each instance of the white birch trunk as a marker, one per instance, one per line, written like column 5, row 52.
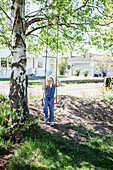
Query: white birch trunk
column 18, row 89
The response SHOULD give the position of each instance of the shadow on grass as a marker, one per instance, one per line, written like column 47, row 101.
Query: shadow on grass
column 57, row 153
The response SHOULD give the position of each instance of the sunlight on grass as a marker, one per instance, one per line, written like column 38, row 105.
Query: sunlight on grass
column 41, row 150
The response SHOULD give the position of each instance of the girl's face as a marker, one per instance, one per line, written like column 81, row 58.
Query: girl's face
column 50, row 82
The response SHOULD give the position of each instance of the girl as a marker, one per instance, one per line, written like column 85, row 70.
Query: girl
column 49, row 98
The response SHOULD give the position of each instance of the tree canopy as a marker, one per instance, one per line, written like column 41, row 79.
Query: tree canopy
column 32, row 24
column 80, row 23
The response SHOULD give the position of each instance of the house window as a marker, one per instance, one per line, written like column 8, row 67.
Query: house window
column 3, row 62
column 40, row 64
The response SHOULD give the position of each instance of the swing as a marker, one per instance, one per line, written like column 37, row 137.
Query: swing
column 55, row 100
column 42, row 102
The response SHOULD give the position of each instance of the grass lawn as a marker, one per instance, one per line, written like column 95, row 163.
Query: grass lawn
column 40, row 150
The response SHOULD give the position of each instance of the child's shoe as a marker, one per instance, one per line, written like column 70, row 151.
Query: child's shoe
column 51, row 123
column 46, row 120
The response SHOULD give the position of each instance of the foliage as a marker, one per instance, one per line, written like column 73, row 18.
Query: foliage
column 103, row 90
column 77, row 71
column 79, row 23
column 9, row 121
column 62, row 66
column 4, row 116
column 4, row 113
column 3, row 97
column 107, row 33
column 85, row 72
column 68, row 67
column 103, row 63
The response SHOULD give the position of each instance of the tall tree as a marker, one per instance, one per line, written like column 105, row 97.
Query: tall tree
column 79, row 22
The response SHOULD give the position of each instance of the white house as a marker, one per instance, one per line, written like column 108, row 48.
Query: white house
column 85, row 63
column 5, row 63
column 35, row 64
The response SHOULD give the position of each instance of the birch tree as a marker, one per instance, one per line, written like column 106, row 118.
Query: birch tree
column 78, row 22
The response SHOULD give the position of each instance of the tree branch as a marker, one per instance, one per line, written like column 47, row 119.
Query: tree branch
column 5, row 13
column 98, row 10
column 7, row 42
column 63, row 32
column 27, row 16
column 106, row 24
column 82, row 6
column 42, row 40
column 33, row 21
column 35, row 30
column 53, row 24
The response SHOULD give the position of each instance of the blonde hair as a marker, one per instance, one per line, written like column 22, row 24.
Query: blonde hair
column 50, row 78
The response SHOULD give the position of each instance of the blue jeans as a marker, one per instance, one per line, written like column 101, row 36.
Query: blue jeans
column 49, row 102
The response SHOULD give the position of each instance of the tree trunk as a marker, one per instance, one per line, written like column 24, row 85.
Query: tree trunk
column 18, row 89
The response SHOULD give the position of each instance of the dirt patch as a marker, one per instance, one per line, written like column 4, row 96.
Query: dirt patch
column 77, row 119
column 5, row 154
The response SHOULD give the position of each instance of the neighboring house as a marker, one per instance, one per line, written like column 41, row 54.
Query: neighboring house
column 5, row 63
column 85, row 63
column 35, row 64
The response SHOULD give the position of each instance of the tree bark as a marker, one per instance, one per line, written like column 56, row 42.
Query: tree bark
column 18, row 89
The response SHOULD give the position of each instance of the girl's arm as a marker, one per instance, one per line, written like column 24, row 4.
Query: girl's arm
column 44, row 85
column 58, row 82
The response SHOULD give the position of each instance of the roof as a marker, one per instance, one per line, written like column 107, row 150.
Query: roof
column 81, row 58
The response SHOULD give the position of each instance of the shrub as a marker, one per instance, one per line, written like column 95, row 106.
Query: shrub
column 77, row 71
column 85, row 72
column 8, row 119
column 3, row 98
column 68, row 67
column 4, row 114
column 62, row 66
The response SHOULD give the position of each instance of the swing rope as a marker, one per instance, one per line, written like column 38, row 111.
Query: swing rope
column 46, row 49
column 42, row 103
column 46, row 58
column 46, row 64
column 57, row 59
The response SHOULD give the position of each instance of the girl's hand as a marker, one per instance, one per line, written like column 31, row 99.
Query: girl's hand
column 44, row 86
column 56, row 78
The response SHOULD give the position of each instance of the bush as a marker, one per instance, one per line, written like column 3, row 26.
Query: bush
column 85, row 72
column 62, row 66
column 77, row 71
column 4, row 116
column 68, row 67
column 8, row 120
column 3, row 98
